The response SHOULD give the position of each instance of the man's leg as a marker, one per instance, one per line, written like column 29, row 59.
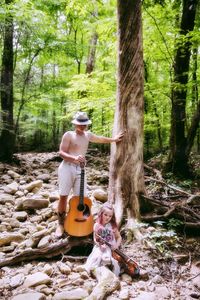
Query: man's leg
column 61, row 215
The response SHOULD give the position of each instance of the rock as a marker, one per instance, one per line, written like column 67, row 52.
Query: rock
column 12, row 222
column 100, row 195
column 7, row 249
column 5, row 198
column 17, row 280
column 6, row 178
column 11, row 188
column 6, row 238
column 21, row 216
column 88, row 286
column 44, row 177
column 19, row 194
column 53, row 197
column 3, row 227
column 107, row 283
column 35, row 184
column 44, row 242
column 162, row 292
column 37, row 279
column 146, row 296
column 13, row 174
column 19, row 203
column 84, row 275
column 157, row 279
column 35, row 203
column 48, row 269
column 125, row 277
column 29, row 296
column 40, row 234
column 71, row 295
column 64, row 269
column 124, row 294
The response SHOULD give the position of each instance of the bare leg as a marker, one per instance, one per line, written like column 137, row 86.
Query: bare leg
column 61, row 215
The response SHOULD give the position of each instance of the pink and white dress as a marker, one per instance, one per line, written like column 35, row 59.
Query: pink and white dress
column 102, row 256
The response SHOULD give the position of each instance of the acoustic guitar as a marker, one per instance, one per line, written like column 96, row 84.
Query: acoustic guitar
column 79, row 220
column 127, row 263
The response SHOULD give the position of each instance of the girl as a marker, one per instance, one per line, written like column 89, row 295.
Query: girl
column 105, row 231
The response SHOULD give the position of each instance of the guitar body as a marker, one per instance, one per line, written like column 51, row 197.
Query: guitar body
column 79, row 220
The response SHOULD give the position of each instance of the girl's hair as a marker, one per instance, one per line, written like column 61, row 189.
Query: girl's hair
column 107, row 206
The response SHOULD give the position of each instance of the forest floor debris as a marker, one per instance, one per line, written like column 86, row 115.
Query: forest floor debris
column 173, row 264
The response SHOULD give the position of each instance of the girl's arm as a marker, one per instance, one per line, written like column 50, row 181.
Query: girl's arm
column 95, row 235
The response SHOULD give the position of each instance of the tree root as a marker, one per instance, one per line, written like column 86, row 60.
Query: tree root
column 55, row 249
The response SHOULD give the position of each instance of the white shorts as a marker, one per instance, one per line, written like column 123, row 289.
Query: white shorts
column 69, row 178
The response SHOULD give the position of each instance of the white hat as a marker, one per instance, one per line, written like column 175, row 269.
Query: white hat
column 81, row 118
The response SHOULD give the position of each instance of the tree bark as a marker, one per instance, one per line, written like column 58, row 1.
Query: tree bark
column 7, row 138
column 178, row 159
column 126, row 181
column 60, row 247
column 91, row 56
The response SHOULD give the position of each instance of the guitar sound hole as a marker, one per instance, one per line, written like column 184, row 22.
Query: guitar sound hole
column 81, row 207
column 85, row 209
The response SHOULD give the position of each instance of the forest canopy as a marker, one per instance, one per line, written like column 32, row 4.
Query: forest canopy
column 65, row 59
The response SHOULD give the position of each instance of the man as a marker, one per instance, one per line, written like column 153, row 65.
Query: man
column 73, row 149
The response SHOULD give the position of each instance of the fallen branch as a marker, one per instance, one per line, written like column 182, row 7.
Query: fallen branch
column 179, row 210
column 193, row 277
column 61, row 247
column 168, row 185
column 155, row 171
column 158, row 217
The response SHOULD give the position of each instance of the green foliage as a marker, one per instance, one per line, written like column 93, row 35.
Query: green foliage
column 164, row 240
column 51, row 42
column 174, row 223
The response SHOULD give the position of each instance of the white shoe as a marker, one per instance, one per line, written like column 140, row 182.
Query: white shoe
column 59, row 231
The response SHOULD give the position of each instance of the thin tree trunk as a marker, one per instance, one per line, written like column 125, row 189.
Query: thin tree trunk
column 91, row 56
column 24, row 87
column 7, row 138
column 126, row 166
column 193, row 131
column 93, row 43
column 178, row 160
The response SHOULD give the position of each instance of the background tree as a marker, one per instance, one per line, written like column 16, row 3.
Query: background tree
column 126, row 167
column 7, row 137
column 179, row 154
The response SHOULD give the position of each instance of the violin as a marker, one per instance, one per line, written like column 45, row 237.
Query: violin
column 128, row 264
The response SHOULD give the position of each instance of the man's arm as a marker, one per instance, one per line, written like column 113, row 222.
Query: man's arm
column 106, row 140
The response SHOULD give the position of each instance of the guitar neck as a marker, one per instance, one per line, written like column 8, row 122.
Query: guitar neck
column 81, row 196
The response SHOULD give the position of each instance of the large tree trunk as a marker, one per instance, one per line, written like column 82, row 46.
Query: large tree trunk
column 126, row 167
column 178, row 159
column 7, row 138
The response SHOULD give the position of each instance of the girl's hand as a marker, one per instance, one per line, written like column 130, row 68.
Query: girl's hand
column 114, row 247
column 103, row 247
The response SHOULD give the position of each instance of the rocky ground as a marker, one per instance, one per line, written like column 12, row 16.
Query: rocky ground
column 28, row 198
